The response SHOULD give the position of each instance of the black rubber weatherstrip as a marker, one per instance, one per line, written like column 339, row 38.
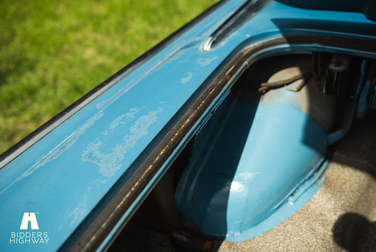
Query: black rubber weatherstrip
column 57, row 120
column 123, row 196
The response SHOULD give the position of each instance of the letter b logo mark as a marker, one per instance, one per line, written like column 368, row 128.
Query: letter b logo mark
column 29, row 217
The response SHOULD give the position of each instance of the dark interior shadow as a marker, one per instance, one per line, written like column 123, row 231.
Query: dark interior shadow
column 355, row 233
column 134, row 238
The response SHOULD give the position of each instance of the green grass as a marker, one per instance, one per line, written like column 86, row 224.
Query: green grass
column 52, row 53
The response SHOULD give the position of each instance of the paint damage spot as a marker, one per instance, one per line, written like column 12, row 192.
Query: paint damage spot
column 204, row 62
column 186, row 79
column 119, row 120
column 109, row 163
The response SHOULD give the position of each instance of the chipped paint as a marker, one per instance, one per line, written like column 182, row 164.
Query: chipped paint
column 204, row 62
column 186, row 79
column 128, row 116
column 109, row 163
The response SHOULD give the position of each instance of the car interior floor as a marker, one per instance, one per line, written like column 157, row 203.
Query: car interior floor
column 341, row 216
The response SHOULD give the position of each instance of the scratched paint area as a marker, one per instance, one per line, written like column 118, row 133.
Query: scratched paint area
column 109, row 163
column 186, row 79
column 203, row 62
column 119, row 120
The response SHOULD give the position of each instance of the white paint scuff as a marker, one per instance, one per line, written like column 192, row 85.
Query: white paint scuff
column 109, row 163
column 186, row 79
column 204, row 62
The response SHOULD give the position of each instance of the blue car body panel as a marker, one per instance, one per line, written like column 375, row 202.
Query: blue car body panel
column 66, row 174
column 242, row 178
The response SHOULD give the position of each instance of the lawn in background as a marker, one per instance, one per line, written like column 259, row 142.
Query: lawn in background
column 53, row 52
